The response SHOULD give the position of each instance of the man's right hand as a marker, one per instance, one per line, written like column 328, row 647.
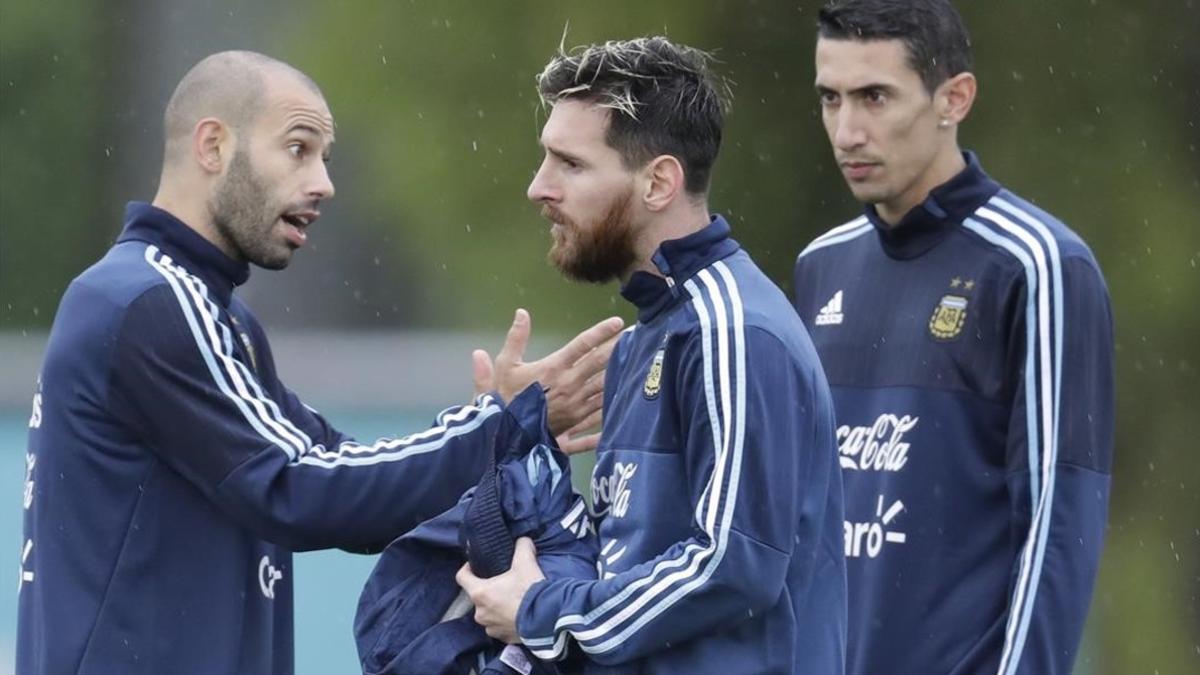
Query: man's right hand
column 573, row 377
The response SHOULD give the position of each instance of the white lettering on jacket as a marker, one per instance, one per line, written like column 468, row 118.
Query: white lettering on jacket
column 611, row 492
column 878, row 447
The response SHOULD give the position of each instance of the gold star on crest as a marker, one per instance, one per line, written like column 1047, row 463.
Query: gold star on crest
column 970, row 284
column 955, row 282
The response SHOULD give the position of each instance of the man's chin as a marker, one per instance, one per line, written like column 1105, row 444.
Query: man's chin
column 275, row 260
column 572, row 269
column 869, row 194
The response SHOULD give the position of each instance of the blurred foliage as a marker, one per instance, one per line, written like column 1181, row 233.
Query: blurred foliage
column 1089, row 108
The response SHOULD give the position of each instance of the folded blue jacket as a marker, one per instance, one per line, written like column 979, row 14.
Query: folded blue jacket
column 410, row 618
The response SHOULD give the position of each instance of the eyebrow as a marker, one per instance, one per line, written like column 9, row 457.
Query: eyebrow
column 307, row 128
column 566, row 156
column 822, row 89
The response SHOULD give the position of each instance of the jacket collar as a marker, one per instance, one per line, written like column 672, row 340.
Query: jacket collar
column 678, row 260
column 945, row 208
column 152, row 225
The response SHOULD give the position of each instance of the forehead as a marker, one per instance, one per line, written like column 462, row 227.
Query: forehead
column 290, row 103
column 845, row 65
column 575, row 124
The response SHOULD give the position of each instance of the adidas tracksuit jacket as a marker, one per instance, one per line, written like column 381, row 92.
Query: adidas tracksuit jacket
column 170, row 474
column 969, row 350
column 413, row 619
column 716, row 488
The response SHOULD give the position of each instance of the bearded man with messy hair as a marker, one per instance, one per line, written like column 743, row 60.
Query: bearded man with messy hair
column 716, row 494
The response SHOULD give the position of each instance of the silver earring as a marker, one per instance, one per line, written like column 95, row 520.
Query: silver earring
column 944, row 123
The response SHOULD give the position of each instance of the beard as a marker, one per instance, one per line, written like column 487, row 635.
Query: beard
column 245, row 216
column 599, row 252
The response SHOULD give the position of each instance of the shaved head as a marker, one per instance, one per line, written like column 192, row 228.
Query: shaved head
column 229, row 86
column 247, row 141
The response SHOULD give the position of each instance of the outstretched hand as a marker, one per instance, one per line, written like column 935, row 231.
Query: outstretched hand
column 573, row 377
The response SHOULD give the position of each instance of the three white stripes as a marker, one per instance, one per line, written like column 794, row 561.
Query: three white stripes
column 1043, row 384
column 214, row 341
column 1046, row 399
column 673, row 579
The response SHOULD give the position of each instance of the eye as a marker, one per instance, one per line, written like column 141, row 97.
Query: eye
column 296, row 148
column 875, row 96
column 827, row 98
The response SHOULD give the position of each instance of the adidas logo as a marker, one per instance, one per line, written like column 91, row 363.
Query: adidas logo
column 831, row 313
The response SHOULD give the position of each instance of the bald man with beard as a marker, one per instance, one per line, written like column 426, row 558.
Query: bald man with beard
column 170, row 473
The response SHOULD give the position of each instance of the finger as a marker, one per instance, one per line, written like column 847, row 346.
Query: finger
column 516, row 340
column 482, row 372
column 466, row 579
column 481, row 620
column 593, row 363
column 570, row 414
column 588, row 340
column 593, row 387
column 525, row 550
column 580, row 444
column 595, row 360
column 589, row 423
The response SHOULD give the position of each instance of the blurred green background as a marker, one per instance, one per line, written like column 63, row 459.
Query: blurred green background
column 1090, row 108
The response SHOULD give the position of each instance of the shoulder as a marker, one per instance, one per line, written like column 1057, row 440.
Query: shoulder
column 99, row 301
column 154, row 301
column 733, row 298
column 846, row 232
column 1041, row 252
column 1027, row 232
column 103, row 308
column 120, row 277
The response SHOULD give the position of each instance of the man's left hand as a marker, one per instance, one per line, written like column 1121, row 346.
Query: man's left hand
column 498, row 599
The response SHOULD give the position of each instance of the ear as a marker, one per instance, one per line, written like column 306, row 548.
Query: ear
column 955, row 97
column 212, row 144
column 665, row 182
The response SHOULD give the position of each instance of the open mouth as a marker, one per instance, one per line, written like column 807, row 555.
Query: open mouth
column 297, row 224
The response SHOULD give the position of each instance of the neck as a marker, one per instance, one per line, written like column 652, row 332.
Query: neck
column 945, row 166
column 674, row 223
column 189, row 211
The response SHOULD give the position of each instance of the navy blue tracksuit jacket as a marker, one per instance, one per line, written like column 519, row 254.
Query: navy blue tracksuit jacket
column 412, row 617
column 171, row 474
column 716, row 488
column 969, row 349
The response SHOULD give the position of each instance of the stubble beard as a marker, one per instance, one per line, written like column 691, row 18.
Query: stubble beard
column 245, row 217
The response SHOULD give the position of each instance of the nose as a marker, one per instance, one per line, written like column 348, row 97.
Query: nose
column 847, row 133
column 321, row 186
column 541, row 188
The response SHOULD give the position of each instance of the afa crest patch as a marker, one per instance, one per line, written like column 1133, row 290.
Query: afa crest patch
column 653, row 382
column 948, row 317
column 237, row 325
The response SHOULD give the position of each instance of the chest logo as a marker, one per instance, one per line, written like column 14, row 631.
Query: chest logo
column 948, row 317
column 611, row 493
column 237, row 325
column 653, row 382
column 831, row 313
